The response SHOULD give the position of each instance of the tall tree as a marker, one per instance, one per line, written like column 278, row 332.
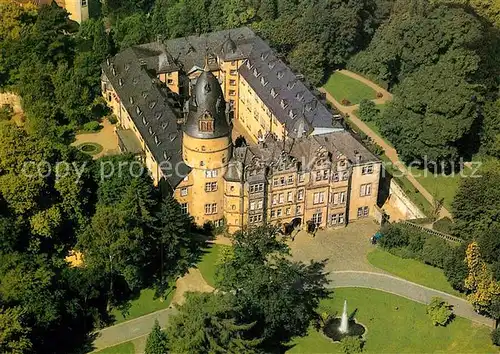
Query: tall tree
column 157, row 341
column 209, row 323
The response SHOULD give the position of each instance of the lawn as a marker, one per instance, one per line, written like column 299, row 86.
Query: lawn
column 343, row 87
column 209, row 261
column 397, row 325
column 124, row 348
column 440, row 185
column 144, row 304
column 412, row 270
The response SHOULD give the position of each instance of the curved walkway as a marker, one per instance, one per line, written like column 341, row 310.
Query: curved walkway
column 390, row 152
column 404, row 288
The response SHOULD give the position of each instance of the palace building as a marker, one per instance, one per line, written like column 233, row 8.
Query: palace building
column 180, row 103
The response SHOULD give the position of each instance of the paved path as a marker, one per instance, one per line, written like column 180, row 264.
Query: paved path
column 390, row 152
column 404, row 288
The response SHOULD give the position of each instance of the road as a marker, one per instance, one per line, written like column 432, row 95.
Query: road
column 390, row 152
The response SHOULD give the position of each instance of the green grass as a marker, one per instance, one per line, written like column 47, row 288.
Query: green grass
column 412, row 270
column 397, row 325
column 90, row 148
column 144, row 304
column 342, row 87
column 124, row 348
column 209, row 261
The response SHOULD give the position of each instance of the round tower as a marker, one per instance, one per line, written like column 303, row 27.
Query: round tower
column 207, row 148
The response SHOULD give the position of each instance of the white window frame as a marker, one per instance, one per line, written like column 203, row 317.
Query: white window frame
column 184, row 191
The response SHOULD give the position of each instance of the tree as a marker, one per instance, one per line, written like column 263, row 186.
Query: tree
column 368, row 111
column 308, row 59
column 130, row 31
column 476, row 204
column 484, row 289
column 487, row 8
column 351, row 345
column 14, row 335
column 279, row 295
column 157, row 341
column 434, row 124
column 455, row 268
column 439, row 311
column 209, row 323
column 495, row 336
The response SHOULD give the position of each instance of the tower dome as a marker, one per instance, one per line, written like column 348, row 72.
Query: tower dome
column 229, row 46
column 207, row 117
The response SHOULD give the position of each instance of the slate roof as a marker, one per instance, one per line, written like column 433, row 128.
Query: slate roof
column 151, row 110
column 284, row 94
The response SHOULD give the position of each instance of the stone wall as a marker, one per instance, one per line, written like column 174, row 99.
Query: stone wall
column 11, row 99
column 399, row 200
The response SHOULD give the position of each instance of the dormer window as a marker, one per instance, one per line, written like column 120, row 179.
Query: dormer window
column 299, row 96
column 152, row 104
column 291, row 85
column 131, row 100
column 113, row 70
column 157, row 141
column 158, row 115
column 272, row 64
column 150, row 130
column 135, row 81
column 173, row 136
column 264, row 56
column 292, row 113
column 138, row 110
column 274, row 93
column 308, row 106
column 108, row 61
column 120, row 81
column 249, row 65
column 164, row 125
column 283, row 103
column 206, row 123
column 280, row 74
column 144, row 121
column 127, row 67
column 256, row 72
column 144, row 94
column 263, row 81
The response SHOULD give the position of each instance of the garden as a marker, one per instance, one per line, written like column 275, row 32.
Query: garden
column 348, row 91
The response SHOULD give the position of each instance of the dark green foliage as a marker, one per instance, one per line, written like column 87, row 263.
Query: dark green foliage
column 394, row 236
column 210, row 323
column 91, row 126
column 495, row 336
column 6, row 112
column 476, row 205
column 308, row 59
column 157, row 341
column 436, row 252
column 279, row 295
column 444, row 225
column 131, row 30
column 368, row 111
column 439, row 311
column 351, row 345
column 455, row 268
column 489, row 243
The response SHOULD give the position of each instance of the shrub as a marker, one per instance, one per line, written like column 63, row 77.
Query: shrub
column 112, row 119
column 380, row 94
column 455, row 268
column 439, row 311
column 495, row 336
column 444, row 225
column 6, row 112
column 92, row 126
column 368, row 111
column 345, row 102
column 351, row 345
column 436, row 251
column 393, row 237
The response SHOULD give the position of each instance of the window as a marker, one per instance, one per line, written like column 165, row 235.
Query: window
column 84, row 3
column 219, row 223
column 300, row 194
column 289, row 197
column 210, row 208
column 252, row 205
column 317, row 218
column 363, row 212
column 232, row 92
column 184, row 208
column 170, row 81
column 326, row 174
column 282, row 181
column 184, row 192
column 279, row 213
column 298, row 210
column 282, row 198
column 318, row 176
column 318, row 197
column 338, row 198
column 210, row 186
column 302, row 177
column 233, row 72
column 288, row 211
column 232, row 82
column 211, row 173
column 366, row 189
column 206, row 125
column 290, row 179
column 345, row 176
column 273, row 214
column 367, row 170
column 337, row 219
column 275, row 199
column 335, row 177
column 275, row 182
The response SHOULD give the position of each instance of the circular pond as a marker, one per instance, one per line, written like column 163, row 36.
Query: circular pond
column 332, row 331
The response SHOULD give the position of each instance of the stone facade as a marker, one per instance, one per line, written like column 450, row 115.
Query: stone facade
column 179, row 99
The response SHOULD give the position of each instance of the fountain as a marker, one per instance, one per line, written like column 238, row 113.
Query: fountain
column 338, row 328
column 344, row 321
